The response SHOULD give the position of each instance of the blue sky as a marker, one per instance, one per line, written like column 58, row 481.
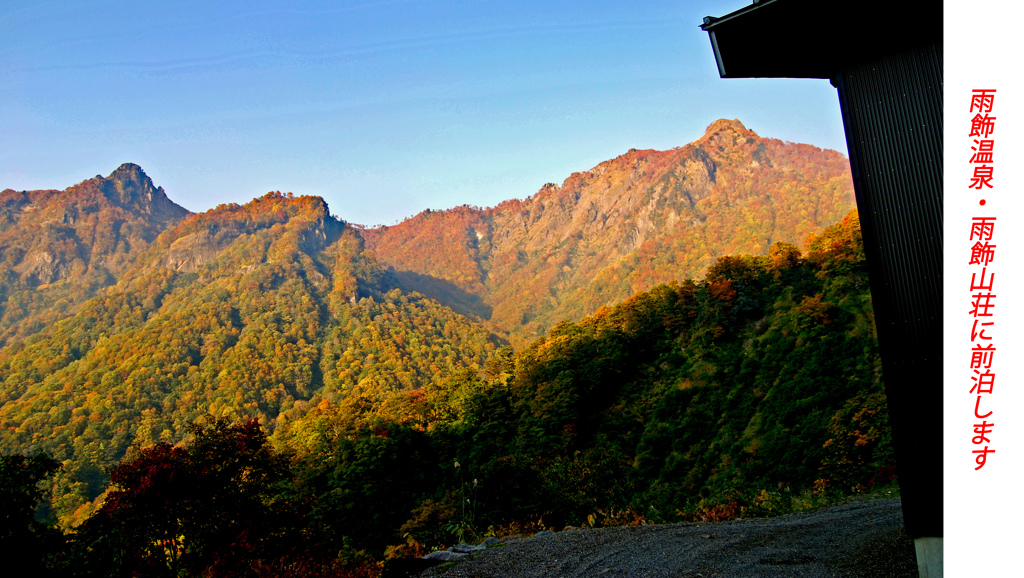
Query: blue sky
column 383, row 108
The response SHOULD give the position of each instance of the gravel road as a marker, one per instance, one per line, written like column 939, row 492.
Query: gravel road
column 862, row 538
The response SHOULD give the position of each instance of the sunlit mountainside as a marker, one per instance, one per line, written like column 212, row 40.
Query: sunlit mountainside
column 243, row 311
column 671, row 335
column 59, row 248
column 643, row 218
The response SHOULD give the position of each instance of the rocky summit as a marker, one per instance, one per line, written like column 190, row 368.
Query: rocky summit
column 61, row 248
column 643, row 218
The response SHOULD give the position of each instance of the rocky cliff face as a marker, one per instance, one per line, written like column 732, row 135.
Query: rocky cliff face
column 191, row 252
column 100, row 221
column 42, row 268
column 290, row 226
column 59, row 248
column 643, row 218
column 130, row 188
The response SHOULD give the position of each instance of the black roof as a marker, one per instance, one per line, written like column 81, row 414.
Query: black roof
column 815, row 38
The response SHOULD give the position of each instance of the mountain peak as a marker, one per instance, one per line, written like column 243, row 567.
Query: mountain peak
column 129, row 170
column 130, row 186
column 727, row 133
column 724, row 124
column 130, row 178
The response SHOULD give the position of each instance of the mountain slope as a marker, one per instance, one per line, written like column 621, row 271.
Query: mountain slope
column 756, row 391
column 60, row 248
column 125, row 318
column 241, row 312
column 644, row 218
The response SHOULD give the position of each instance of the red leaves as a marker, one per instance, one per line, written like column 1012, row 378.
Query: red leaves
column 144, row 481
column 209, row 501
column 722, row 290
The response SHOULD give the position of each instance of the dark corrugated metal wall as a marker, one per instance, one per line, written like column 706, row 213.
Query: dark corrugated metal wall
column 892, row 112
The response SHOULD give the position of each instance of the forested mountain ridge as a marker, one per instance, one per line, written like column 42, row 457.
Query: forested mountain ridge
column 241, row 312
column 643, row 218
column 146, row 317
column 60, row 248
column 755, row 391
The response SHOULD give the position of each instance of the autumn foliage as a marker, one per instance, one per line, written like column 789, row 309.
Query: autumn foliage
column 630, row 223
column 267, row 390
column 755, row 391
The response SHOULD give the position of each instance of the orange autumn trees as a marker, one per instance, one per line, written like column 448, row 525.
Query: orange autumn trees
column 242, row 312
column 630, row 223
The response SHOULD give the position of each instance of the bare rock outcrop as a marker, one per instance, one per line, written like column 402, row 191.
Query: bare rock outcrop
column 42, row 268
column 131, row 188
column 191, row 252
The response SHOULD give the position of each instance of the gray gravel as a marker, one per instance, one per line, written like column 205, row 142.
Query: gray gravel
column 862, row 538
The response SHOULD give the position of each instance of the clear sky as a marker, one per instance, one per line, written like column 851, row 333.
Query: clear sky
column 383, row 108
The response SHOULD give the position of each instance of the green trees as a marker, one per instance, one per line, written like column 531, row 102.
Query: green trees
column 732, row 395
column 245, row 312
column 25, row 543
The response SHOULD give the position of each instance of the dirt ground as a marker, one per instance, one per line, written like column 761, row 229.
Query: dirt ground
column 862, row 538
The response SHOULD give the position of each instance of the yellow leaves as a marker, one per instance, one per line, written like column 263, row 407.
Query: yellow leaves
column 816, row 308
column 782, row 256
